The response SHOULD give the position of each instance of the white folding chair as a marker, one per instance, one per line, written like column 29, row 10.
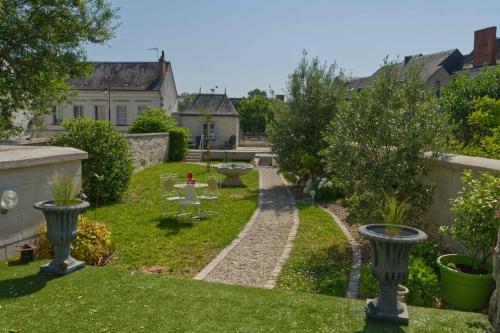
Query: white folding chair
column 212, row 195
column 192, row 200
column 168, row 192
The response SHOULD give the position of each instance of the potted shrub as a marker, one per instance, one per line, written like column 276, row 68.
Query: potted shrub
column 466, row 280
column 390, row 251
column 61, row 214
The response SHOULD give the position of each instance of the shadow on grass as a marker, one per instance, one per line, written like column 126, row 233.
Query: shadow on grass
column 23, row 286
column 479, row 325
column 172, row 224
column 372, row 326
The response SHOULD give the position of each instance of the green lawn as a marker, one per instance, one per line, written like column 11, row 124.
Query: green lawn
column 114, row 300
column 145, row 238
column 320, row 259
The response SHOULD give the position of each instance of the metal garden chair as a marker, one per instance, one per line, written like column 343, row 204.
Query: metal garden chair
column 212, row 195
column 168, row 192
column 192, row 200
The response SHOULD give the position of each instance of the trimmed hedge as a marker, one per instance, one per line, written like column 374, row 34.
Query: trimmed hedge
column 109, row 156
column 178, row 144
column 154, row 120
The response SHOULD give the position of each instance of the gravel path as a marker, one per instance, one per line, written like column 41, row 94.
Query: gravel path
column 256, row 257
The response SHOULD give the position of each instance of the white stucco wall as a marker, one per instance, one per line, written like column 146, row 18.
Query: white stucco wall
column 225, row 126
column 27, row 170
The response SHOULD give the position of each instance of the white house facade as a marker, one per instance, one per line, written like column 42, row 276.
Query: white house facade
column 118, row 92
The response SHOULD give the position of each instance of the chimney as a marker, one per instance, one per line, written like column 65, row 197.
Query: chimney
column 163, row 64
column 485, row 46
column 280, row 97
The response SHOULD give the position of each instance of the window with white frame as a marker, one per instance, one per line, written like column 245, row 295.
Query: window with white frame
column 209, row 130
column 121, row 115
column 141, row 109
column 77, row 111
column 57, row 115
column 100, row 112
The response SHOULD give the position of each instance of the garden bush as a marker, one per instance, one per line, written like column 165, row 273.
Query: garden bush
column 178, row 143
column 428, row 252
column 377, row 141
column 368, row 287
column 108, row 156
column 92, row 244
column 329, row 189
column 423, row 283
column 154, row 120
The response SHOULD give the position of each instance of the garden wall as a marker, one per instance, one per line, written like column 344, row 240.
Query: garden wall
column 27, row 170
column 445, row 173
column 148, row 149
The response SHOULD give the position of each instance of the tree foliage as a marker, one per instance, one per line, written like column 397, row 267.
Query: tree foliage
column 377, row 142
column 459, row 98
column 41, row 48
column 254, row 113
column 154, row 120
column 185, row 99
column 315, row 91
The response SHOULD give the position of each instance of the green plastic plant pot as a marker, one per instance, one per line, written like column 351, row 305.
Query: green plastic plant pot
column 464, row 291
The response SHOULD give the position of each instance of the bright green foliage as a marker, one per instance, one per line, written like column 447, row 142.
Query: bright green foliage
column 42, row 47
column 329, row 189
column 254, row 113
column 92, row 244
column 145, row 237
column 368, row 284
column 476, row 215
column 423, row 283
column 320, row 260
column 377, row 143
column 185, row 99
column 460, row 96
column 64, row 189
column 315, row 91
column 114, row 300
column 109, row 156
column 394, row 213
column 428, row 252
column 178, row 143
column 154, row 120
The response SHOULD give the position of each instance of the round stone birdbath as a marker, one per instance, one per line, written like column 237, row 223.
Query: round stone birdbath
column 233, row 172
column 389, row 255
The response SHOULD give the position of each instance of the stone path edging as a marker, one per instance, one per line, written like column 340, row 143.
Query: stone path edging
column 353, row 286
column 216, row 261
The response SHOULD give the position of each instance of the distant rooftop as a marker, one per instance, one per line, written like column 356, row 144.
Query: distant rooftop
column 215, row 104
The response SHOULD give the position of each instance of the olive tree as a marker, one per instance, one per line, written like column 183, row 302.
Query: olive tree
column 377, row 142
column 314, row 93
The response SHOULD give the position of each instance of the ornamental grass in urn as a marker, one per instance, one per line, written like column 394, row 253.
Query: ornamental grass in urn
column 61, row 214
column 391, row 243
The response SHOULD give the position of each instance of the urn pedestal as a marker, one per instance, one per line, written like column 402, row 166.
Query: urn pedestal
column 61, row 231
column 233, row 171
column 389, row 255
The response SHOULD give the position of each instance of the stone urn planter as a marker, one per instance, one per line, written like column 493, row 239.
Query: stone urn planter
column 61, row 231
column 389, row 255
column 233, row 172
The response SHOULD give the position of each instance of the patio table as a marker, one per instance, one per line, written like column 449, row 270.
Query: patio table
column 196, row 185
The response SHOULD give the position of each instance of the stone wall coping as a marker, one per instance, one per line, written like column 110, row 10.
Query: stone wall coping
column 144, row 135
column 460, row 162
column 16, row 156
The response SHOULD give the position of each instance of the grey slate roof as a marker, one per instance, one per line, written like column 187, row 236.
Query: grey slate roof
column 126, row 76
column 430, row 64
column 215, row 104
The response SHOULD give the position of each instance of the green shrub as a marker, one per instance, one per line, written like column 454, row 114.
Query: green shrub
column 428, row 252
column 377, row 142
column 178, row 143
column 368, row 287
column 423, row 284
column 476, row 215
column 108, row 155
column 154, row 120
column 329, row 189
column 92, row 244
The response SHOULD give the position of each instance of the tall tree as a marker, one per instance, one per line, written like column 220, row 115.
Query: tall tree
column 254, row 113
column 41, row 48
column 185, row 99
column 257, row 92
column 315, row 92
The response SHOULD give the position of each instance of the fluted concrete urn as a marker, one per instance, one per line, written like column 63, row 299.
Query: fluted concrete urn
column 233, row 171
column 389, row 255
column 61, row 231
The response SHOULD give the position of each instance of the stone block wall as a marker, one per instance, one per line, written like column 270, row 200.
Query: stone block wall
column 148, row 149
column 27, row 170
column 445, row 174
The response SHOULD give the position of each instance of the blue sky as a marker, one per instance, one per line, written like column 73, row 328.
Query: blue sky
column 243, row 45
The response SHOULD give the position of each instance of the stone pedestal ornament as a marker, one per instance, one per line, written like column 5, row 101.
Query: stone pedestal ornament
column 61, row 231
column 233, row 171
column 389, row 256
column 493, row 311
